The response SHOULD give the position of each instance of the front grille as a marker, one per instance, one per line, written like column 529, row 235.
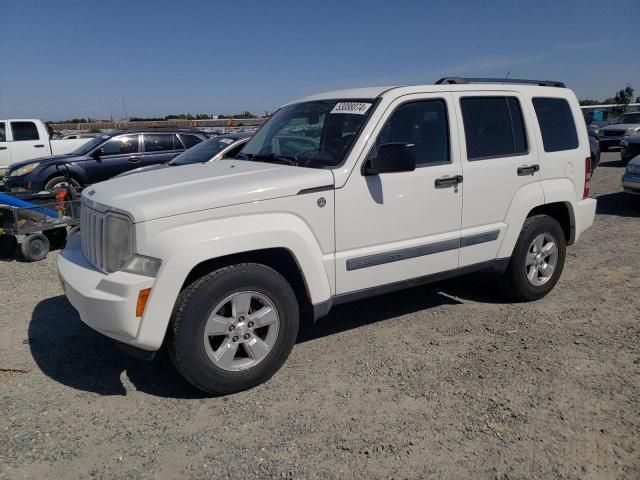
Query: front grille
column 614, row 133
column 92, row 236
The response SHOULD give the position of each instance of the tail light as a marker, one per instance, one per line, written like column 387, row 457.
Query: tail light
column 587, row 177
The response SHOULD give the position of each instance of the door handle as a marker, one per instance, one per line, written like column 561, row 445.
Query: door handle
column 38, row 146
column 444, row 182
column 134, row 159
column 3, row 148
column 528, row 170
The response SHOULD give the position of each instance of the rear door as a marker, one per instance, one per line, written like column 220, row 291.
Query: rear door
column 26, row 141
column 159, row 148
column 117, row 155
column 499, row 159
column 5, row 152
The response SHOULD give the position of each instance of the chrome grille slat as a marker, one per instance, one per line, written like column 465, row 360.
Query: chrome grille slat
column 92, row 236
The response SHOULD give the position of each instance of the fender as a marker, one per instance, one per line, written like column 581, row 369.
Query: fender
column 57, row 168
column 215, row 238
column 562, row 190
column 525, row 200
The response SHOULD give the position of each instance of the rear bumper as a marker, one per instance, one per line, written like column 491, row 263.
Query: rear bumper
column 584, row 212
column 105, row 302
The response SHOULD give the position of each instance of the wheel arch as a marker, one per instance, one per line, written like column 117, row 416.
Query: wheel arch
column 52, row 172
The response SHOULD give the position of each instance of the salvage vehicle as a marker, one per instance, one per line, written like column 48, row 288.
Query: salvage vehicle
column 100, row 159
column 400, row 186
column 594, row 146
column 216, row 148
column 630, row 147
column 611, row 135
column 25, row 139
column 631, row 177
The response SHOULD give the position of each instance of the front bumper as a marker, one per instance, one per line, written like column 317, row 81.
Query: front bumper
column 610, row 141
column 631, row 183
column 20, row 184
column 105, row 302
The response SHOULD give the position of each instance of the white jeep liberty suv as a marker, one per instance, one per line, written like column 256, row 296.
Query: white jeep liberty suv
column 339, row 196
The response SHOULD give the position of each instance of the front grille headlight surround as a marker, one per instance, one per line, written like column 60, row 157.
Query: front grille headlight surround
column 118, row 239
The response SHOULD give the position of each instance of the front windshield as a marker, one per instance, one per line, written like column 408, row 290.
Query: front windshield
column 90, row 145
column 629, row 118
column 312, row 134
column 202, row 152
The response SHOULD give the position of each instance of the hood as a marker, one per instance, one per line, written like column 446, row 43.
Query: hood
column 202, row 186
column 620, row 126
column 148, row 168
column 45, row 160
column 635, row 161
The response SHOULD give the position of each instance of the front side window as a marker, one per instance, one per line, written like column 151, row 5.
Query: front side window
column 556, row 124
column 493, row 127
column 23, row 131
column 316, row 134
column 423, row 124
column 3, row 133
column 122, row 145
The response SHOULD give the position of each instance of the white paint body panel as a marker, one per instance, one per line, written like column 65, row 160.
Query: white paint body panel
column 189, row 215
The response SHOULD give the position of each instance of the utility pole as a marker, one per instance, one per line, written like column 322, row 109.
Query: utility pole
column 124, row 109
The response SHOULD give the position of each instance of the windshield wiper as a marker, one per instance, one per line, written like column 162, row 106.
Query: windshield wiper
column 271, row 158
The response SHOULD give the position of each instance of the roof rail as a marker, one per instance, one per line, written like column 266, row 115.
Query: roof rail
column 462, row 81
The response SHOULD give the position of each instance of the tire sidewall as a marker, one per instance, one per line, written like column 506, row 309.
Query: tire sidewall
column 27, row 244
column 540, row 224
column 190, row 320
column 53, row 182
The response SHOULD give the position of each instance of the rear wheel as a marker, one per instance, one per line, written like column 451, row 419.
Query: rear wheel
column 537, row 260
column 233, row 328
column 34, row 247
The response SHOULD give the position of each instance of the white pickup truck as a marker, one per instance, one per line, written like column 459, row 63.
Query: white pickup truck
column 338, row 197
column 24, row 139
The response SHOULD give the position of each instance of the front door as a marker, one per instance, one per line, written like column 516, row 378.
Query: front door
column 398, row 226
column 119, row 154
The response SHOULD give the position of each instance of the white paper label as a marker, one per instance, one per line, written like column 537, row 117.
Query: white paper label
column 226, row 140
column 355, row 108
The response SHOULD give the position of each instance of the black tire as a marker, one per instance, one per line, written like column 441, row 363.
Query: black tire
column 186, row 333
column 8, row 245
column 514, row 280
column 604, row 148
column 34, row 247
column 60, row 180
column 57, row 237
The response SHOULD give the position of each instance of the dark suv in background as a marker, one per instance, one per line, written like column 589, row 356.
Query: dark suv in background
column 101, row 158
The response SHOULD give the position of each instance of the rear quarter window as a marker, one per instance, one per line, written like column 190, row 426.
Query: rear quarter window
column 556, row 124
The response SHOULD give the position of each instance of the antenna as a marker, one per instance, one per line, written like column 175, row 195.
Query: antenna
column 507, row 75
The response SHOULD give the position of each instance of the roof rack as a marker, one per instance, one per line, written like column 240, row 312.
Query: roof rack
column 462, row 81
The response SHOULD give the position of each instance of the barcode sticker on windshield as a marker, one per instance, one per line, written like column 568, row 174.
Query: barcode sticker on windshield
column 356, row 108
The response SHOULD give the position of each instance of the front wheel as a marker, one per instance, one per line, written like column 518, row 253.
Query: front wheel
column 537, row 260
column 233, row 328
column 35, row 247
column 59, row 182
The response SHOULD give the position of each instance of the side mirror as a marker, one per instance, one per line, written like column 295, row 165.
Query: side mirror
column 97, row 153
column 593, row 133
column 392, row 158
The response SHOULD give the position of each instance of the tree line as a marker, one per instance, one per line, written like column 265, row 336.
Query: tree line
column 622, row 97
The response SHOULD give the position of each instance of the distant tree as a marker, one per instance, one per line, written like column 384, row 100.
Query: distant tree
column 623, row 98
column 587, row 101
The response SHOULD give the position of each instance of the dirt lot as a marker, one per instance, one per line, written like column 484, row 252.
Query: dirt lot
column 445, row 381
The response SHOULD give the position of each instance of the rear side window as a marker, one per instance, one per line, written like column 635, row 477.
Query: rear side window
column 422, row 123
column 189, row 140
column 123, row 145
column 157, row 142
column 556, row 124
column 493, row 127
column 24, row 131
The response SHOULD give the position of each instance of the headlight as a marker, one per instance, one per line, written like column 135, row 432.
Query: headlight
column 118, row 242
column 631, row 131
column 142, row 265
column 24, row 169
column 633, row 168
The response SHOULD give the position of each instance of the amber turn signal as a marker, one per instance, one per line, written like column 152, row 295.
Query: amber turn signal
column 143, row 296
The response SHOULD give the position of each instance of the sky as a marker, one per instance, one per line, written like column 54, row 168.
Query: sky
column 70, row 58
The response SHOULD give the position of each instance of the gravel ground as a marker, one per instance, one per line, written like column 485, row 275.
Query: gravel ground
column 450, row 380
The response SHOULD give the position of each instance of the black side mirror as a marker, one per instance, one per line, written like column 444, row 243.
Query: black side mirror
column 97, row 153
column 593, row 133
column 392, row 158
